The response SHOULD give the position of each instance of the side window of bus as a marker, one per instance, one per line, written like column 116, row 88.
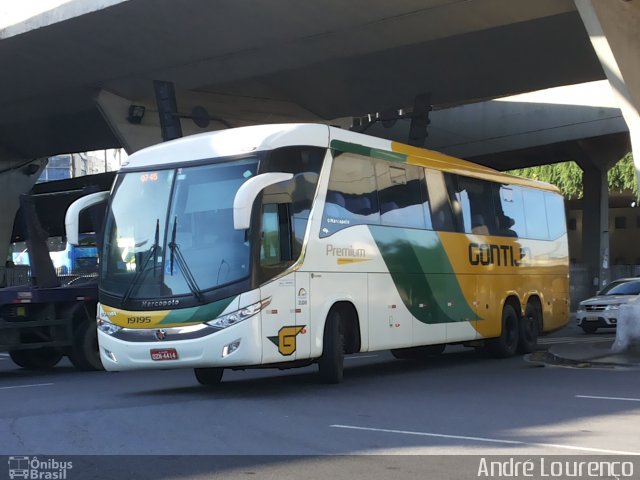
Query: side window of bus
column 352, row 197
column 475, row 201
column 556, row 222
column 510, row 211
column 439, row 202
column 399, row 193
column 275, row 243
column 305, row 163
column 535, row 214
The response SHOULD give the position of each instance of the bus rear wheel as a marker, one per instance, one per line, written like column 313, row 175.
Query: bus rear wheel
column 209, row 376
column 331, row 363
column 529, row 327
column 506, row 344
column 36, row 359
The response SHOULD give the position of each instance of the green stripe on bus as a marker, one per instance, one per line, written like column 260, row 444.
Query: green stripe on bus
column 433, row 297
column 199, row 314
column 368, row 151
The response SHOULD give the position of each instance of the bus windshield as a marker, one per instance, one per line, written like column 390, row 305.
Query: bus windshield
column 170, row 232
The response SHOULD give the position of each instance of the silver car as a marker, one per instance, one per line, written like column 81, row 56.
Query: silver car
column 601, row 311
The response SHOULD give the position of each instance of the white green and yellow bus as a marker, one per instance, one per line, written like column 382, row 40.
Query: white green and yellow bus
column 291, row 244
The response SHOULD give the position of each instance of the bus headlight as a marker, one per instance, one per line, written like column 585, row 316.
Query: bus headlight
column 107, row 327
column 239, row 315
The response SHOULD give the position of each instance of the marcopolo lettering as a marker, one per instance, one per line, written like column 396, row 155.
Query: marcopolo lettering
column 160, row 303
column 498, row 255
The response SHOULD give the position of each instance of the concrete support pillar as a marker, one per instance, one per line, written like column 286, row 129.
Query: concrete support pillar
column 612, row 26
column 17, row 176
column 595, row 226
column 596, row 156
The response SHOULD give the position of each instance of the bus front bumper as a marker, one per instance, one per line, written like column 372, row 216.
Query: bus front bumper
column 198, row 346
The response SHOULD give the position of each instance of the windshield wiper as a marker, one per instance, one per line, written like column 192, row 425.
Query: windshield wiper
column 151, row 253
column 176, row 254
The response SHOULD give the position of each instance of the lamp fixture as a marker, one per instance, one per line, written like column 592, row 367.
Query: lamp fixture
column 136, row 114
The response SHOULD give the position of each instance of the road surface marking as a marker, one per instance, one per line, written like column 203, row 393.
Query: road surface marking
column 609, row 398
column 358, row 357
column 4, row 355
column 488, row 440
column 27, row 386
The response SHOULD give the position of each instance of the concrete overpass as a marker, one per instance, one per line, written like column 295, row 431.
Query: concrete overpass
column 75, row 70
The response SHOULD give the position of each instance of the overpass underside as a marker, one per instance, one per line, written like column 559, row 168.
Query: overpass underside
column 76, row 71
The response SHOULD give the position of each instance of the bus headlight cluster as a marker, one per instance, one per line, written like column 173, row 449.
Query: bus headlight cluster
column 107, row 327
column 238, row 316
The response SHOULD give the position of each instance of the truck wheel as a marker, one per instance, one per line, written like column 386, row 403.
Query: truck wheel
column 529, row 326
column 331, row 363
column 507, row 343
column 208, row 376
column 36, row 359
column 84, row 353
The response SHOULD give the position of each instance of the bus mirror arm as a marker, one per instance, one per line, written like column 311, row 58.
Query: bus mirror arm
column 247, row 194
column 72, row 217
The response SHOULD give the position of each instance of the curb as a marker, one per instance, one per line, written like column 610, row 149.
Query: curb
column 546, row 358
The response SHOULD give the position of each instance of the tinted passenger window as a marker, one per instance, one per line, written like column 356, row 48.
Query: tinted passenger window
column 555, row 215
column 510, row 211
column 399, row 193
column 535, row 214
column 352, row 198
column 439, row 202
column 476, row 204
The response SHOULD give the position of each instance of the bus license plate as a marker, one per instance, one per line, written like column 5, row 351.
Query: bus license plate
column 159, row 354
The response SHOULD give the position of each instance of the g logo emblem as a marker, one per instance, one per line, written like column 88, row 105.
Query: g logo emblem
column 286, row 339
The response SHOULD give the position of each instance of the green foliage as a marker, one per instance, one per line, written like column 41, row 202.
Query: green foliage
column 568, row 176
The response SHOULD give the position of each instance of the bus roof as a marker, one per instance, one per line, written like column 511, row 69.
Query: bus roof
column 245, row 140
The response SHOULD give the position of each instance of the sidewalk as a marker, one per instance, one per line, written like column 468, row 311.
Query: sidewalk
column 597, row 353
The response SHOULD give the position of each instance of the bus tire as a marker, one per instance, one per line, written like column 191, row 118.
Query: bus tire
column 506, row 344
column 36, row 359
column 418, row 353
column 331, row 363
column 209, row 376
column 529, row 328
column 85, row 355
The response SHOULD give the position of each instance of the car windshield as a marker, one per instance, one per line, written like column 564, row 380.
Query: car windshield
column 629, row 287
column 170, row 232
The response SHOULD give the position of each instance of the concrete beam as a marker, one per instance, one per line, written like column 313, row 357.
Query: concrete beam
column 17, row 176
column 612, row 26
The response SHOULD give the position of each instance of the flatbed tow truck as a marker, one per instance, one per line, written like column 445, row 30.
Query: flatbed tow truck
column 47, row 313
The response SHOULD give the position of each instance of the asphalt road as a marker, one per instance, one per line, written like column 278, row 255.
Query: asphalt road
column 458, row 404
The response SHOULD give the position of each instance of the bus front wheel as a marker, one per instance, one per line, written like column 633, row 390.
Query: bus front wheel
column 506, row 344
column 331, row 363
column 208, row 376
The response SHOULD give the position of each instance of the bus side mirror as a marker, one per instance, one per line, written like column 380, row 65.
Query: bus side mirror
column 72, row 217
column 247, row 193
